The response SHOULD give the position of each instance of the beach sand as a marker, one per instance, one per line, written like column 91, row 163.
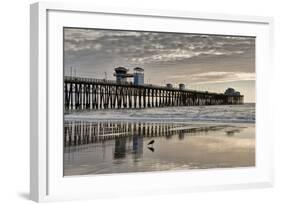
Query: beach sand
column 105, row 147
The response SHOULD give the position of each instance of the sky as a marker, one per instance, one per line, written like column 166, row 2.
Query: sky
column 200, row 61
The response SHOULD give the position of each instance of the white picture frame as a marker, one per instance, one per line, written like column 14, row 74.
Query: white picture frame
column 46, row 180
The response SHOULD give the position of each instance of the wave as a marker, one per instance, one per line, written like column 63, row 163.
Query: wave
column 223, row 113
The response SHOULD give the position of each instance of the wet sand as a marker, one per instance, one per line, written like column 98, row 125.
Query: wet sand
column 103, row 147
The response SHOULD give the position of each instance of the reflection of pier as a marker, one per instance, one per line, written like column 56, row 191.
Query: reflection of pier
column 87, row 93
column 78, row 133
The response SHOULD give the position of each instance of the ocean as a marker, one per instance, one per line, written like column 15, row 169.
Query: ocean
column 221, row 113
column 196, row 137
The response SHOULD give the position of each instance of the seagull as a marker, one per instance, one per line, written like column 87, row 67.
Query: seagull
column 151, row 149
column 151, row 142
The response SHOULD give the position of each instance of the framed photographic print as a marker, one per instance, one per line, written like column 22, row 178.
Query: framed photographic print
column 123, row 98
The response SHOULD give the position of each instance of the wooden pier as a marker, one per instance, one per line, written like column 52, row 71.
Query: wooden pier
column 88, row 93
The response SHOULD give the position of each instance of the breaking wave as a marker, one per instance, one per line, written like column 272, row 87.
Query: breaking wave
column 221, row 113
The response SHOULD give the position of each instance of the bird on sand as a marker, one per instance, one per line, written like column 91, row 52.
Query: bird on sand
column 151, row 142
column 151, row 149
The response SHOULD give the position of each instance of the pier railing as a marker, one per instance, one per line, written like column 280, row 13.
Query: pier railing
column 113, row 82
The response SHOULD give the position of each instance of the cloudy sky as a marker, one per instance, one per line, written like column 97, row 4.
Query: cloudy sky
column 204, row 62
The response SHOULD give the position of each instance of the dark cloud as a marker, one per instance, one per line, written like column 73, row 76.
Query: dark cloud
column 147, row 48
column 193, row 58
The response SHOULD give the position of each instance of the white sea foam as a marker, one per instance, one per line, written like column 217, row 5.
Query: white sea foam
column 222, row 113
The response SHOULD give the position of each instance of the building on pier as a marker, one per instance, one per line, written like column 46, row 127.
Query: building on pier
column 181, row 86
column 121, row 74
column 169, row 85
column 138, row 76
column 231, row 92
